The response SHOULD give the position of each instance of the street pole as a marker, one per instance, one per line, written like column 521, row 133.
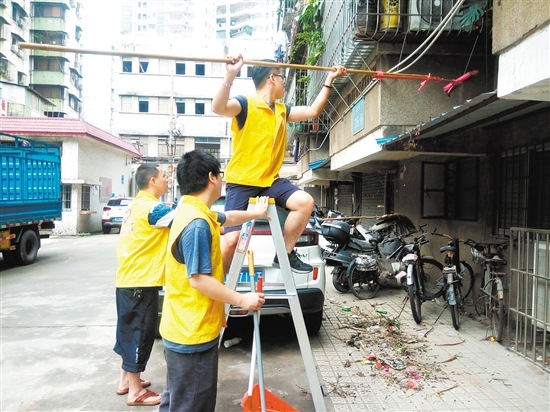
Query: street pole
column 171, row 141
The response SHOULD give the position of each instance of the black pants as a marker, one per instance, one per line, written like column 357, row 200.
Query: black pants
column 136, row 326
column 191, row 381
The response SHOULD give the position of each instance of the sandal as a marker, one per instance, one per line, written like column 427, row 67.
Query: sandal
column 142, row 399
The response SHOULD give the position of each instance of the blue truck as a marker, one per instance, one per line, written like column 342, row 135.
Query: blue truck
column 30, row 193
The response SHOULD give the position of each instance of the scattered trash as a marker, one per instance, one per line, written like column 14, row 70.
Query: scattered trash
column 383, row 312
column 411, row 384
column 346, row 308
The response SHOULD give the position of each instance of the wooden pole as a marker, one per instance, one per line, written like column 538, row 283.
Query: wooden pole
column 377, row 74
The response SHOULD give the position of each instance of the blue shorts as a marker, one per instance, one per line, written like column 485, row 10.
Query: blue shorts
column 237, row 196
column 136, row 326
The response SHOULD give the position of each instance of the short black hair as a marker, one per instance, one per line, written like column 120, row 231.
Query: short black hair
column 261, row 73
column 193, row 171
column 144, row 174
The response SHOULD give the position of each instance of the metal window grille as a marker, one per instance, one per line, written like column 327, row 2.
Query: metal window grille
column 529, row 298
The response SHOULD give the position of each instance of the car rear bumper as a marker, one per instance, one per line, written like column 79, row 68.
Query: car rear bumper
column 311, row 300
column 111, row 224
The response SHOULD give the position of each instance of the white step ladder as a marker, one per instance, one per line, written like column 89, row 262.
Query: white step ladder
column 290, row 289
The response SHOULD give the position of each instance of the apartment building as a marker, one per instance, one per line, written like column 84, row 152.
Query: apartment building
column 471, row 162
column 163, row 106
column 40, row 83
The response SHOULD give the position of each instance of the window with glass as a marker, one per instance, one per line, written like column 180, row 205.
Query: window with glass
column 522, row 188
column 86, row 198
column 208, row 144
column 449, row 190
column 67, row 192
column 48, row 10
column 144, row 105
column 48, row 64
column 180, row 68
column 199, row 106
column 127, row 64
column 143, row 65
column 180, row 106
column 200, row 69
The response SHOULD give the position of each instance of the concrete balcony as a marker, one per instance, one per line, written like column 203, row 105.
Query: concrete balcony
column 48, row 77
column 49, row 24
column 44, row 53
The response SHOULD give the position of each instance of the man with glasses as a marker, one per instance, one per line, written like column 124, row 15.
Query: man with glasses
column 259, row 142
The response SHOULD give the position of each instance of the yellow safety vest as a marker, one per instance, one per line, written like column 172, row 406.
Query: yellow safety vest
column 141, row 248
column 259, row 147
column 188, row 316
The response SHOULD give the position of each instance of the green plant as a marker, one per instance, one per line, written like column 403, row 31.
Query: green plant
column 310, row 18
column 473, row 10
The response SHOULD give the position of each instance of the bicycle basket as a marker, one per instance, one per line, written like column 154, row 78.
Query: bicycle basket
column 477, row 256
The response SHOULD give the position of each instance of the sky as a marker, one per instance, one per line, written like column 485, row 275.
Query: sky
column 100, row 28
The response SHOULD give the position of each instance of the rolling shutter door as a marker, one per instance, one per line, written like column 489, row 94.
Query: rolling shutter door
column 345, row 198
column 373, row 197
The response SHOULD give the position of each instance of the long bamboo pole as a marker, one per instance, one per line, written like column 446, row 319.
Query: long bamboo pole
column 377, row 74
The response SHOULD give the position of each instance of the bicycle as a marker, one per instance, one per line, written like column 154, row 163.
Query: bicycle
column 488, row 256
column 416, row 270
column 456, row 285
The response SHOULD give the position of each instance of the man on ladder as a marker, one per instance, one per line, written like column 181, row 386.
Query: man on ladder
column 259, row 143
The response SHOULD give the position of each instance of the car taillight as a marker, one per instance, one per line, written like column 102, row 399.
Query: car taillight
column 315, row 273
column 308, row 238
column 106, row 208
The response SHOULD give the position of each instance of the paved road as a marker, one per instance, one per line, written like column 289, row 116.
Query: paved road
column 58, row 321
column 58, row 325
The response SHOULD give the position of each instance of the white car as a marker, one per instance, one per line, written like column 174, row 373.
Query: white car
column 113, row 213
column 309, row 286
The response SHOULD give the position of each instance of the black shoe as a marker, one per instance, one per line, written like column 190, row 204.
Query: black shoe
column 295, row 263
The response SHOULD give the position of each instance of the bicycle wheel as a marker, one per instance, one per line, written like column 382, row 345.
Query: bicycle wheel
column 432, row 271
column 414, row 297
column 468, row 280
column 455, row 309
column 363, row 284
column 496, row 315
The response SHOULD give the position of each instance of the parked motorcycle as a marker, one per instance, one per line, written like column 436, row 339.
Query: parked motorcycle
column 358, row 255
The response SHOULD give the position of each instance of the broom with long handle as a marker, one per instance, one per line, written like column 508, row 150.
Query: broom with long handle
column 424, row 78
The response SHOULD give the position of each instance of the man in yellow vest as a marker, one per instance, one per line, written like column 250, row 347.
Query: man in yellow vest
column 259, row 143
column 141, row 255
column 193, row 310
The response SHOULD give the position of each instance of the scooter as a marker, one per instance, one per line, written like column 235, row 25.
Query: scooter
column 360, row 256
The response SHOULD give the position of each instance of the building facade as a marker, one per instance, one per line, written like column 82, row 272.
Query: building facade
column 40, row 83
column 95, row 166
column 470, row 161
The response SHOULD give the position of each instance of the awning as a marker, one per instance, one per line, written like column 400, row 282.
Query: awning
column 481, row 111
column 319, row 163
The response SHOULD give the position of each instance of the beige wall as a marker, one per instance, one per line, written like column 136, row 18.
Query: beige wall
column 513, row 20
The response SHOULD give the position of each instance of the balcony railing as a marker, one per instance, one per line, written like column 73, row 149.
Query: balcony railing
column 352, row 29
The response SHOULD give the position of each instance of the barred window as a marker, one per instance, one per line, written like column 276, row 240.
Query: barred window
column 523, row 188
column 85, row 199
column 449, row 190
column 67, row 195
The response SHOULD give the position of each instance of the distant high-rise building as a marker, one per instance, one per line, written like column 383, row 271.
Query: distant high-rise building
column 37, row 83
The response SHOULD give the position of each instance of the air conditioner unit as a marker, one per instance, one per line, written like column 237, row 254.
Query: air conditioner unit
column 425, row 15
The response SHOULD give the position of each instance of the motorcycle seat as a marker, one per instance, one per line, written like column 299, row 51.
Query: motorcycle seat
column 361, row 245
